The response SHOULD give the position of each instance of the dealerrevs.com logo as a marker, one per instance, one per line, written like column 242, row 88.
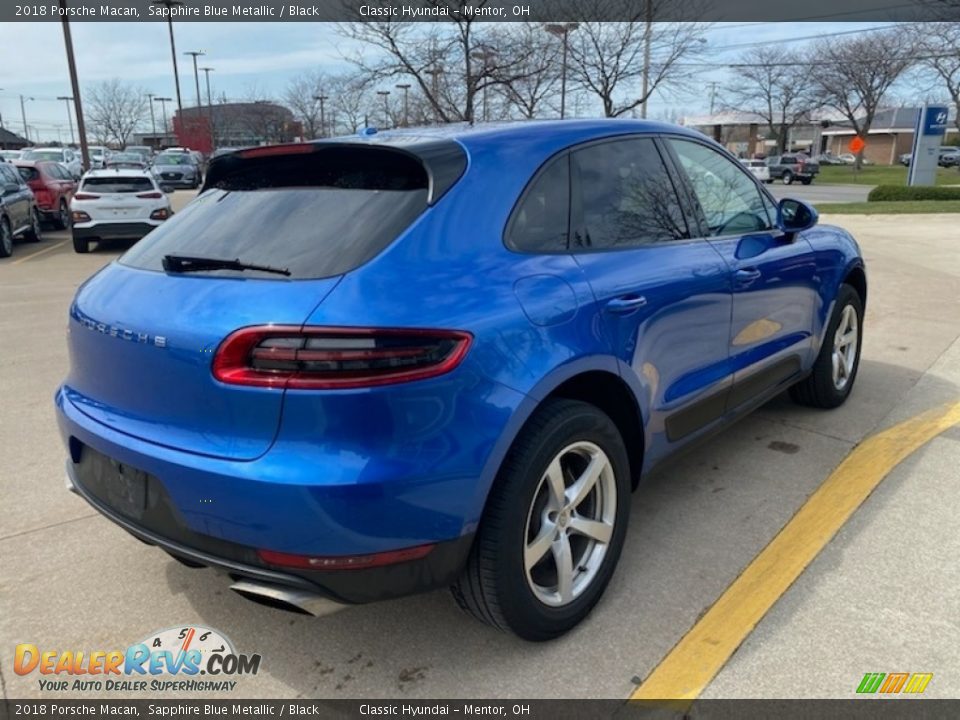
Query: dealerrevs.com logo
column 171, row 660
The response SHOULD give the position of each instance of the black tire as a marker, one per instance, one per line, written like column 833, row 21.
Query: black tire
column 6, row 238
column 819, row 389
column 494, row 586
column 787, row 178
column 81, row 245
column 34, row 234
column 62, row 220
column 807, row 181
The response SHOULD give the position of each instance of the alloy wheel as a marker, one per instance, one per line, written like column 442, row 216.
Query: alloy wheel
column 845, row 347
column 570, row 524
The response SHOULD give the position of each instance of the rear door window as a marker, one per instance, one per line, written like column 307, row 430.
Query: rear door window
column 118, row 184
column 316, row 214
column 28, row 173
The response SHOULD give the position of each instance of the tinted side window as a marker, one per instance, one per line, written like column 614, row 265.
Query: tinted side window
column 626, row 196
column 8, row 177
column 728, row 195
column 540, row 223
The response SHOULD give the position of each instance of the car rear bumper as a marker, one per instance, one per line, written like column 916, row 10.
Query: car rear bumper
column 304, row 498
column 114, row 230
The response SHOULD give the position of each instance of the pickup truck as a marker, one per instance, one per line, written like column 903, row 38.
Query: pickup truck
column 795, row 166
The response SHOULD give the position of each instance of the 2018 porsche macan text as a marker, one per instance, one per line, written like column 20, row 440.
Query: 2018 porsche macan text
column 360, row 368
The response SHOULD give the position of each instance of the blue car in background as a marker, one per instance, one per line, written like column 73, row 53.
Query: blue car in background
column 360, row 368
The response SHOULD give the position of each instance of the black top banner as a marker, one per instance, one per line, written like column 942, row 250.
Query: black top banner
column 477, row 10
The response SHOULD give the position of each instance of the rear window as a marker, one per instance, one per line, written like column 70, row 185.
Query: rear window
column 118, row 184
column 29, row 173
column 317, row 215
column 173, row 159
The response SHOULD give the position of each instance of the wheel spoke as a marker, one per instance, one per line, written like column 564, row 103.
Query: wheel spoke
column 599, row 531
column 539, row 546
column 563, row 557
column 555, row 485
column 587, row 480
column 836, row 367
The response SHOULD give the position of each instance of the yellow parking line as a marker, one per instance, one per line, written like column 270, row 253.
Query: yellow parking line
column 687, row 669
column 39, row 252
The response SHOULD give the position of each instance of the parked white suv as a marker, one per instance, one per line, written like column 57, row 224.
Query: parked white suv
column 117, row 203
column 759, row 169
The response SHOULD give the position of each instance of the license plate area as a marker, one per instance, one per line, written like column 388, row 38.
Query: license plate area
column 122, row 487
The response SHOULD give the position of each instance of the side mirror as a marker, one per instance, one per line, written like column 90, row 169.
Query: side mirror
column 795, row 216
column 167, row 188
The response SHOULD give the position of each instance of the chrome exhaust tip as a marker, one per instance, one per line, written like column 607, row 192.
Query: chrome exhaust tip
column 289, row 599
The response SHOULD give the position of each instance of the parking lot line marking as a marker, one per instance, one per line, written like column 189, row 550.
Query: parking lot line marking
column 39, row 252
column 694, row 661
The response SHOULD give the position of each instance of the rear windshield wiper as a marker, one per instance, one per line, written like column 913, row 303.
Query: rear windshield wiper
column 187, row 263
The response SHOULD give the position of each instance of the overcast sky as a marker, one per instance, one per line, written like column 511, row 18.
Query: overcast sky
column 265, row 55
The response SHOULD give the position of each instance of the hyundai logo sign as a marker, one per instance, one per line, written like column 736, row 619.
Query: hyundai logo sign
column 935, row 120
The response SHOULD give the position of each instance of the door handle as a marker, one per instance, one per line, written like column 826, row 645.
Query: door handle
column 626, row 304
column 747, row 276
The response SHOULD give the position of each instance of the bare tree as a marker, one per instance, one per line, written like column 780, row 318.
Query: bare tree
column 853, row 74
column 938, row 49
column 114, row 109
column 536, row 82
column 772, row 85
column 450, row 63
column 611, row 59
column 302, row 95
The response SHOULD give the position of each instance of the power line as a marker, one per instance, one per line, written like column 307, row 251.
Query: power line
column 780, row 41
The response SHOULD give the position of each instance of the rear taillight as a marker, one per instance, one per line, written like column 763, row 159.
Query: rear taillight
column 150, row 195
column 161, row 214
column 324, row 357
column 86, row 196
column 79, row 216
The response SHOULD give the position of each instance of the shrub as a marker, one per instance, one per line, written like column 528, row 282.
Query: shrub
column 895, row 193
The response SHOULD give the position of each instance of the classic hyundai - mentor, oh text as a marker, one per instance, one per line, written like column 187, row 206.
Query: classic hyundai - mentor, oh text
column 414, row 359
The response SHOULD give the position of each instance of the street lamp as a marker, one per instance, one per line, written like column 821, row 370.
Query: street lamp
column 163, row 110
column 386, row 108
column 435, row 72
column 562, row 30
column 323, row 118
column 68, row 100
column 486, row 53
column 168, row 4
column 406, row 102
column 153, row 120
column 196, row 75
column 23, row 115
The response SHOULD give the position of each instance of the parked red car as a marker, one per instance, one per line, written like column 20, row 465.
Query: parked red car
column 53, row 187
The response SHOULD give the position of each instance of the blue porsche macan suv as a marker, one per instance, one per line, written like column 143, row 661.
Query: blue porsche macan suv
column 365, row 367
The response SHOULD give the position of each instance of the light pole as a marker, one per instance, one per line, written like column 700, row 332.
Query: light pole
column 196, row 75
column 23, row 115
column 386, row 108
column 163, row 110
column 563, row 30
column 153, row 120
column 74, row 85
column 323, row 118
column 435, row 73
column 68, row 99
column 206, row 73
column 406, row 102
column 168, row 4
column 486, row 53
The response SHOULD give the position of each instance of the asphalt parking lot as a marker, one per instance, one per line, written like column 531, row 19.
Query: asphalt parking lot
column 882, row 597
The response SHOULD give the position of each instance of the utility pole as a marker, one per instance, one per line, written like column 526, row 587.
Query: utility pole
column 563, row 31
column 169, row 4
column 406, row 102
column 67, row 98
column 323, row 118
column 213, row 135
column 74, row 85
column 647, row 42
column 153, row 120
column 23, row 115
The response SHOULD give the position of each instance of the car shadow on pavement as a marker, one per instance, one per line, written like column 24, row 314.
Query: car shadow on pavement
column 695, row 525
